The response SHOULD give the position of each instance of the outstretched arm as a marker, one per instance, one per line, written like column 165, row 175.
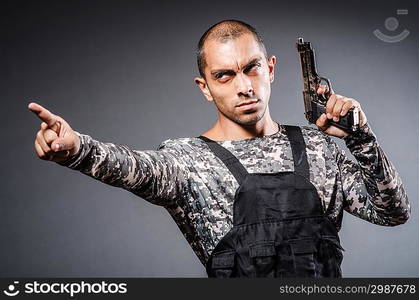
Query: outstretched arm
column 156, row 176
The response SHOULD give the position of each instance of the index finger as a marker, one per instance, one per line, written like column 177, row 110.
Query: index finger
column 322, row 89
column 43, row 113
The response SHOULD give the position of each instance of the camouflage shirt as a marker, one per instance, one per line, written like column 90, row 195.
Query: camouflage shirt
column 196, row 188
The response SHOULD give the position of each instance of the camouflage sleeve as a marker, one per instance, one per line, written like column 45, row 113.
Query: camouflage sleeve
column 155, row 175
column 371, row 187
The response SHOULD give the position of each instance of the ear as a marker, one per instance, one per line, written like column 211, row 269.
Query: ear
column 202, row 83
column 271, row 67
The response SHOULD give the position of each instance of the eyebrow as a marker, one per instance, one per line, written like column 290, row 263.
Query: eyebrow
column 231, row 72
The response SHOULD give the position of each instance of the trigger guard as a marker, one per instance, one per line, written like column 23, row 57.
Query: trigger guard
column 329, row 91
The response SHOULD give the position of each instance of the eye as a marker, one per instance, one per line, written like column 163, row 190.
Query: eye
column 252, row 67
column 222, row 77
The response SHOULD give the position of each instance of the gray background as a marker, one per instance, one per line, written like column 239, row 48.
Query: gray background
column 123, row 72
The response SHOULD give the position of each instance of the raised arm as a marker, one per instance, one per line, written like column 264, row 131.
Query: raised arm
column 371, row 186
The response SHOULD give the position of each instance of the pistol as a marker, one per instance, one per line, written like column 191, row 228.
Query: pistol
column 315, row 104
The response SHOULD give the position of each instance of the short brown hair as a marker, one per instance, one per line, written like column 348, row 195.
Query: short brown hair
column 225, row 31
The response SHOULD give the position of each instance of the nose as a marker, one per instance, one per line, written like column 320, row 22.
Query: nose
column 244, row 85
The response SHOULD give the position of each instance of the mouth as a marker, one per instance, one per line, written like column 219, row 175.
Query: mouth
column 248, row 104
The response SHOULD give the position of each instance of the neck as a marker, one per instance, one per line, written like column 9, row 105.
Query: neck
column 225, row 129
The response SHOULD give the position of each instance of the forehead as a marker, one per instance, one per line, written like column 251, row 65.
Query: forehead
column 232, row 53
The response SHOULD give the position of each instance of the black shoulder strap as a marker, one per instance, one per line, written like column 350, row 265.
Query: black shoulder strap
column 231, row 162
column 298, row 148
column 299, row 153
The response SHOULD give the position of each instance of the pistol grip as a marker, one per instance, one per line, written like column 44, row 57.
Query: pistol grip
column 348, row 123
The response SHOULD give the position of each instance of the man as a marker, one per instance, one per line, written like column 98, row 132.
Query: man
column 251, row 196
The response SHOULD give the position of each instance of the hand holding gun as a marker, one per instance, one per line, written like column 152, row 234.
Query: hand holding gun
column 314, row 103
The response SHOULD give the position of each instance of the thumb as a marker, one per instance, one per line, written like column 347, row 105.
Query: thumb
column 62, row 143
column 322, row 122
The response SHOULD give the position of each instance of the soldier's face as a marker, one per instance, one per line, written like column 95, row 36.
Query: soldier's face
column 237, row 72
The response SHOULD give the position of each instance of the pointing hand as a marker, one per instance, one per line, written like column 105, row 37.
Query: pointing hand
column 55, row 141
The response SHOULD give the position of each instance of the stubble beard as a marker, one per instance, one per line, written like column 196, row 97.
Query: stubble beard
column 245, row 119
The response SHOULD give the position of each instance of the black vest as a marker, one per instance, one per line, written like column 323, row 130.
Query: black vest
column 279, row 227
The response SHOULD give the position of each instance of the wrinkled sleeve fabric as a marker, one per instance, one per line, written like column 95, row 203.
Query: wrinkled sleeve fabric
column 155, row 175
column 372, row 188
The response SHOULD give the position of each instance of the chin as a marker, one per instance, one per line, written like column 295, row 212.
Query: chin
column 249, row 120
